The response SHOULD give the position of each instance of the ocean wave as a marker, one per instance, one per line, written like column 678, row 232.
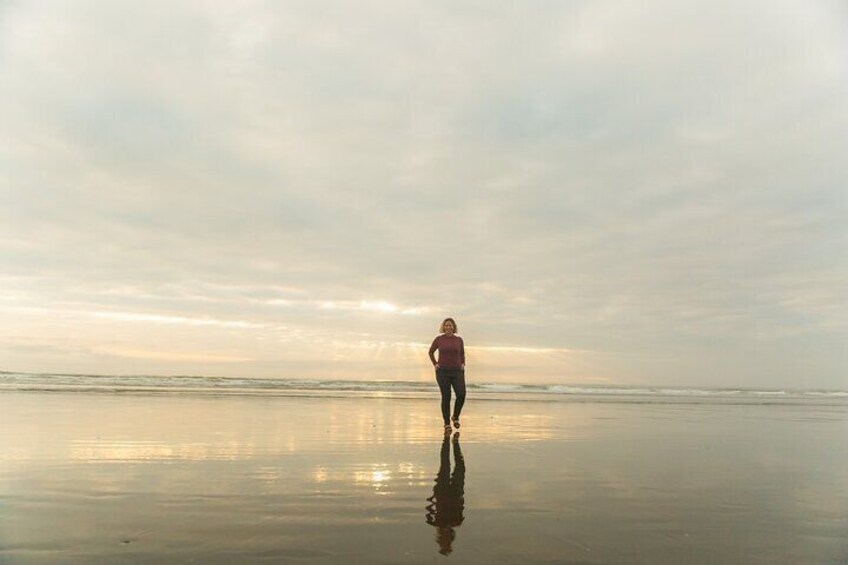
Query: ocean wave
column 184, row 383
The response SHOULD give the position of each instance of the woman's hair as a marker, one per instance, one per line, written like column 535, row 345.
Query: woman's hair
column 445, row 321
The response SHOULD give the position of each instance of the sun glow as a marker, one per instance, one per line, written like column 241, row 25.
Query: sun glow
column 380, row 306
column 204, row 357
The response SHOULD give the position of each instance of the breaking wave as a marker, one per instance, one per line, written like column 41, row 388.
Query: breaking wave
column 301, row 387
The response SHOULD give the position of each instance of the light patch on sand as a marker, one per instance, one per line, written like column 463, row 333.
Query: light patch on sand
column 380, row 476
column 115, row 451
column 320, row 475
column 377, row 477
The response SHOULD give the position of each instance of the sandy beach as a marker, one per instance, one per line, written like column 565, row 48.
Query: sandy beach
column 181, row 478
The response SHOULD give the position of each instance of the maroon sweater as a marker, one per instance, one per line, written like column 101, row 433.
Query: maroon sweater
column 451, row 351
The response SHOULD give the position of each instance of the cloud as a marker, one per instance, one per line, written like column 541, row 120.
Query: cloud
column 625, row 178
column 204, row 357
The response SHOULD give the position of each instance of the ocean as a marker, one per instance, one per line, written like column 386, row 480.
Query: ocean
column 46, row 382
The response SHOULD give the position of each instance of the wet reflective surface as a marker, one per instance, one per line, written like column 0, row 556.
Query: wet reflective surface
column 110, row 478
column 447, row 503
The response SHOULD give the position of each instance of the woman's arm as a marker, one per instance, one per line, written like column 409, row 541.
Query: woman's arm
column 462, row 352
column 433, row 349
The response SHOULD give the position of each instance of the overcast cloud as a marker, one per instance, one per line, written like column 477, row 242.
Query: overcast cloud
column 622, row 192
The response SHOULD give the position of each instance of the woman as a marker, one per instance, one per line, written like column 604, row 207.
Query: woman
column 450, row 370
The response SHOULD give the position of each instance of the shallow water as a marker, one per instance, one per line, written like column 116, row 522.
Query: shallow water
column 112, row 478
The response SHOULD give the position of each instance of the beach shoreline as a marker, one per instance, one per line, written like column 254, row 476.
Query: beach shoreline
column 140, row 477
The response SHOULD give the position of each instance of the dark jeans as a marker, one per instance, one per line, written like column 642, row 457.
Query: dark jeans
column 448, row 378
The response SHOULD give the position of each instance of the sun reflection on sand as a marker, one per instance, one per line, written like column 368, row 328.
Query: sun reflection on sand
column 320, row 475
column 380, row 477
column 128, row 451
column 110, row 428
column 417, row 424
column 377, row 478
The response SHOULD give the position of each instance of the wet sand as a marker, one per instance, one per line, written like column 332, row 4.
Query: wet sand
column 144, row 478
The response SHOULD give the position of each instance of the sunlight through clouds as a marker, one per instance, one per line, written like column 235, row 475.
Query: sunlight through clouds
column 155, row 318
column 595, row 191
column 205, row 357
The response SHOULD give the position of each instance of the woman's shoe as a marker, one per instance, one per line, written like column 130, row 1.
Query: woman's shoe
column 456, row 423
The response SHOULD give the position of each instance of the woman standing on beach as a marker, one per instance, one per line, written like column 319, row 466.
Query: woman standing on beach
column 450, row 370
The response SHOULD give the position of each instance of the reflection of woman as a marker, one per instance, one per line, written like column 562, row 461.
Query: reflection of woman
column 448, row 500
column 450, row 370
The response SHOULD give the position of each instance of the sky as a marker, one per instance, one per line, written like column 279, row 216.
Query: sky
column 611, row 192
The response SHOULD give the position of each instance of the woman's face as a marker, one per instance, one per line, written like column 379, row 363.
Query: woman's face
column 449, row 328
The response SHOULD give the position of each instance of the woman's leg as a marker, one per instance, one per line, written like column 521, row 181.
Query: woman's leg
column 458, row 382
column 445, row 388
